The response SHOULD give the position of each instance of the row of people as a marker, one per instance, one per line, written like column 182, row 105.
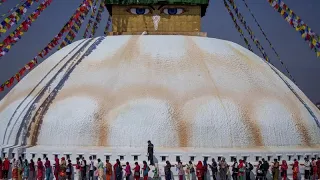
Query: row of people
column 64, row 169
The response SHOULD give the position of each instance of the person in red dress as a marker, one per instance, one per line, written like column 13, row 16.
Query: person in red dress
column 6, row 167
column 136, row 171
column 295, row 169
column 284, row 168
column 56, row 168
column 199, row 170
column 40, row 170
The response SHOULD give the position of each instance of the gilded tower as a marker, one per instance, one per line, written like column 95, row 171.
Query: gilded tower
column 157, row 16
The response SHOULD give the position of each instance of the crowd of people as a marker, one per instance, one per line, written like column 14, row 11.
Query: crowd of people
column 63, row 169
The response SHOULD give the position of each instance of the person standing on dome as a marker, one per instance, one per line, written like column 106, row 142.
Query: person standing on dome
column 78, row 169
column 63, row 168
column 69, row 170
column 117, row 170
column 25, row 170
column 83, row 169
column 150, row 153
column 199, row 170
column 241, row 169
column 205, row 170
column 265, row 168
column 127, row 171
column 109, row 170
column 284, row 168
column 100, row 169
column 136, row 171
column 180, row 170
column 91, row 168
column 249, row 168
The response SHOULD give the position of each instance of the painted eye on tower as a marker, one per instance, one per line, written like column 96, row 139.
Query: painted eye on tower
column 173, row 11
column 139, row 11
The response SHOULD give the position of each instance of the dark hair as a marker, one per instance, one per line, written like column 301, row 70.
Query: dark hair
column 107, row 160
column 90, row 157
column 0, row 160
column 26, row 162
column 46, row 159
column 39, row 159
column 98, row 159
column 190, row 162
column 69, row 161
column 136, row 163
column 127, row 163
column 144, row 162
column 118, row 161
column 77, row 159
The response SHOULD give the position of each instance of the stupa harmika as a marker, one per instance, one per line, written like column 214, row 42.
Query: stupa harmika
column 192, row 96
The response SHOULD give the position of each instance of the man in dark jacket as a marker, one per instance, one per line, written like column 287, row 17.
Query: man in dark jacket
column 150, row 153
column 265, row 168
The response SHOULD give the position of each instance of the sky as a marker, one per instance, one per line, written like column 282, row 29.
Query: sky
column 293, row 50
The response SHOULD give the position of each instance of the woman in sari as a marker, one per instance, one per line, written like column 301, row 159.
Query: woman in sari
column 40, row 170
column 127, row 171
column 32, row 170
column 15, row 169
column 295, row 170
column 242, row 169
column 63, row 168
column 56, row 168
column 136, row 171
column 25, row 170
column 20, row 164
column 100, row 169
column 199, row 170
column 284, row 168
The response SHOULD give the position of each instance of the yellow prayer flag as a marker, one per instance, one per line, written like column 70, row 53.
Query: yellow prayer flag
column 7, row 20
column 2, row 30
column 318, row 53
column 314, row 41
column 282, row 12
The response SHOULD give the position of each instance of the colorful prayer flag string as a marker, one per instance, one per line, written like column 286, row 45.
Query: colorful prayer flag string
column 54, row 42
column 91, row 19
column 15, row 16
column 295, row 21
column 74, row 29
column 254, row 39
column 16, row 35
column 236, row 25
column 12, row 9
column 98, row 19
column 106, row 29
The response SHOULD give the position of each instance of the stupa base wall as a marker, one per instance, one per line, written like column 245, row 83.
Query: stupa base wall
column 201, row 34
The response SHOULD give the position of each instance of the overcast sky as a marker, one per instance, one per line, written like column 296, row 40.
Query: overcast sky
column 293, row 50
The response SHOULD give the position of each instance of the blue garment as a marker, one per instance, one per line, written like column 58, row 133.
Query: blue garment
column 48, row 173
column 25, row 170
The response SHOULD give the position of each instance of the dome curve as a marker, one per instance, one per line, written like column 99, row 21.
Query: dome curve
column 202, row 91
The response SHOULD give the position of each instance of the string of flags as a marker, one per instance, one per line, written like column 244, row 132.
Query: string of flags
column 298, row 24
column 74, row 29
column 12, row 9
column 2, row 1
column 85, row 35
column 51, row 45
column 106, row 29
column 267, row 39
column 98, row 19
column 236, row 25
column 16, row 35
column 253, row 38
column 15, row 16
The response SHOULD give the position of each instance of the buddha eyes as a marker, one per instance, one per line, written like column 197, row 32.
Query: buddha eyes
column 168, row 11
column 173, row 11
column 139, row 11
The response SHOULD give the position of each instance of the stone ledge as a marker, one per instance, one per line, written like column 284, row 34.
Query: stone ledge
column 202, row 34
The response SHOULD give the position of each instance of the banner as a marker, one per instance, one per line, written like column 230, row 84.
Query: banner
column 16, row 35
column 54, row 42
column 236, row 25
column 91, row 19
column 15, row 16
column 253, row 38
column 295, row 21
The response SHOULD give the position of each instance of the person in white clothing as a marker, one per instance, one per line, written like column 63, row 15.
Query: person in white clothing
column 307, row 168
column 91, row 169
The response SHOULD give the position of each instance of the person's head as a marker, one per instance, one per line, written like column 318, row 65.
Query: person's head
column 178, row 161
column 77, row 159
column 223, row 159
column 136, row 163
column 313, row 159
column 26, row 162
column 99, row 160
column 295, row 160
column 260, row 162
column 90, row 158
column 263, row 160
column 107, row 161
column 284, row 162
column 117, row 161
column 144, row 162
column 69, row 161
column 213, row 160
column 234, row 159
column 275, row 160
column 39, row 159
column 127, row 163
column 319, row 158
column 149, row 142
column 190, row 162
column 31, row 161
column 306, row 159
column 46, row 159
column 240, row 161
column 168, row 163
column 82, row 158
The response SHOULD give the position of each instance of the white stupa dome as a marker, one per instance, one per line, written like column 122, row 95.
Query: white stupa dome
column 177, row 91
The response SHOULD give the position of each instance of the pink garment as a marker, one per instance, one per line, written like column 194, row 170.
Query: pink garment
column 128, row 170
column 47, row 164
